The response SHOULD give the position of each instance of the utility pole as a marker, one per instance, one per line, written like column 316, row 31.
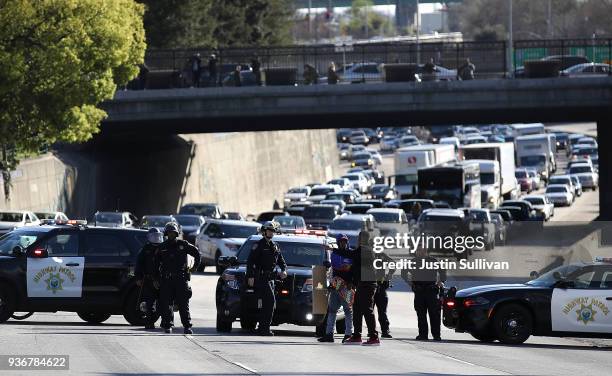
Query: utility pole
column 366, row 21
column 309, row 19
column 510, row 41
column 418, row 33
column 549, row 20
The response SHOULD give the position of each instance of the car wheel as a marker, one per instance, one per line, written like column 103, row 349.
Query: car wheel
column 132, row 312
column 341, row 326
column 247, row 325
column 486, row 336
column 223, row 326
column 320, row 329
column 7, row 302
column 94, row 317
column 15, row 316
column 513, row 324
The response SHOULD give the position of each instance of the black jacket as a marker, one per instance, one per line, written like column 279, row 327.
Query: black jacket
column 172, row 257
column 349, row 254
column 422, row 276
column 146, row 262
column 264, row 257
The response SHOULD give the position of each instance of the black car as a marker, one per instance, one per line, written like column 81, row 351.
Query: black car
column 359, row 208
column 569, row 301
column 269, row 215
column 319, row 216
column 374, row 202
column 73, row 268
column 294, row 294
column 190, row 225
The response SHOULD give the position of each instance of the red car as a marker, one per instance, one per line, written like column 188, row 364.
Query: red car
column 525, row 181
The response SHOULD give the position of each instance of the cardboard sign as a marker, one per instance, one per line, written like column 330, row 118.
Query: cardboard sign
column 319, row 290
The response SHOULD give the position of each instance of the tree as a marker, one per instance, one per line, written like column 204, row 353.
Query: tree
column 58, row 60
column 362, row 22
column 178, row 23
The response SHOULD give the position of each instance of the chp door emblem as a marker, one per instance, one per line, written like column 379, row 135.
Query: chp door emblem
column 54, row 282
column 586, row 313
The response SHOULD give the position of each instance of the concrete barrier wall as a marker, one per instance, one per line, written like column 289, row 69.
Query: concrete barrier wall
column 243, row 172
column 39, row 184
column 246, row 172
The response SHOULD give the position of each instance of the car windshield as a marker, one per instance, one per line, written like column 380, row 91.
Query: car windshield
column 520, row 174
column 45, row 215
column 580, row 169
column 554, row 180
column 346, row 224
column 321, row 191
column 406, row 179
column 548, row 279
column 187, row 221
column 238, row 231
column 379, row 189
column 533, row 160
column 298, row 190
column 335, row 196
column 556, row 190
column 319, row 212
column 204, row 210
column 337, row 181
column 11, row 217
column 290, row 221
column 109, row 218
column 17, row 238
column 386, row 217
column 155, row 221
column 478, row 216
column 535, row 200
column 586, row 151
column 487, row 178
column 351, row 177
column 294, row 253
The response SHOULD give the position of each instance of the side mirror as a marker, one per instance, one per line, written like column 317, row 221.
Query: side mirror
column 534, row 274
column 17, row 251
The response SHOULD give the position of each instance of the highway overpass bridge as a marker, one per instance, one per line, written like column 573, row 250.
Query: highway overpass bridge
column 181, row 111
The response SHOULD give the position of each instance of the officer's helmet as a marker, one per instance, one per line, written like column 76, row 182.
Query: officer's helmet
column 171, row 227
column 270, row 225
column 155, row 236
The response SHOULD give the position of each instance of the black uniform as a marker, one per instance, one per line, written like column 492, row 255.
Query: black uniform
column 426, row 299
column 147, row 271
column 365, row 282
column 174, row 277
column 262, row 261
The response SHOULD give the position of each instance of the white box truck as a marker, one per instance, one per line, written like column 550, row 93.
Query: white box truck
column 536, row 151
column 408, row 160
column 490, row 183
column 527, row 129
column 502, row 152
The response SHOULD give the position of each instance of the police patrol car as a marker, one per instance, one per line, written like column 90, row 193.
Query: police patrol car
column 70, row 267
column 294, row 295
column 570, row 301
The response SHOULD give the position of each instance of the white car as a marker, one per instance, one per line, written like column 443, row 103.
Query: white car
column 589, row 141
column 361, row 72
column 223, row 237
column 360, row 182
column 51, row 217
column 542, row 205
column 11, row 220
column 343, row 183
column 115, row 219
column 409, row 141
column 390, row 221
column 586, row 174
column 350, row 225
column 559, row 194
column 296, row 194
column 376, row 156
column 388, row 143
column 319, row 192
column 359, row 138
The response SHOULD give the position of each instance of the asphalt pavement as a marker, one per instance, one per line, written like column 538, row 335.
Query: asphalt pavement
column 117, row 348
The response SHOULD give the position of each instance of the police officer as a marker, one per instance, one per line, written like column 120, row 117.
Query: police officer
column 174, row 277
column 263, row 259
column 426, row 284
column 146, row 272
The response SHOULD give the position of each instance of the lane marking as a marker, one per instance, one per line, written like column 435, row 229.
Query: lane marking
column 190, row 338
column 246, row 368
column 461, row 361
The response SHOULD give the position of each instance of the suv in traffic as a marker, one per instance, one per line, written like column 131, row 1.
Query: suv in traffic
column 87, row 270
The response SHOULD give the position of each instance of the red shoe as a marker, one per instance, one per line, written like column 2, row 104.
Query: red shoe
column 354, row 340
column 373, row 341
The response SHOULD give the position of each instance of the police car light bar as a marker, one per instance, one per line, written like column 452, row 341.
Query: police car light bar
column 72, row 222
column 310, row 232
column 607, row 260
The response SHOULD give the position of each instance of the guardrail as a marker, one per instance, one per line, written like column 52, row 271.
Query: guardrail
column 361, row 62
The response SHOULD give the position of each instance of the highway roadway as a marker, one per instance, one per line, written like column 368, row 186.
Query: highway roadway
column 116, row 348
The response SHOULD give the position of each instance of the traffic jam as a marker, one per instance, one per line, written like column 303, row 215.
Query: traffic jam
column 292, row 264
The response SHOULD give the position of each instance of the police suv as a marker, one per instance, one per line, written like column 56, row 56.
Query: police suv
column 70, row 267
column 570, row 301
column 294, row 295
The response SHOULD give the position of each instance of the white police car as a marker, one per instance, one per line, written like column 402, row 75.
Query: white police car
column 570, row 301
